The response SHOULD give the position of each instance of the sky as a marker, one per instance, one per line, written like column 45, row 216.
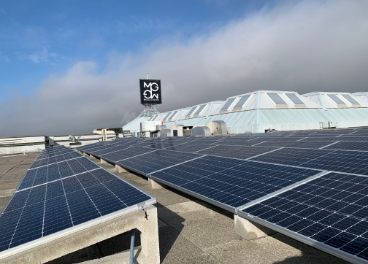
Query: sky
column 67, row 67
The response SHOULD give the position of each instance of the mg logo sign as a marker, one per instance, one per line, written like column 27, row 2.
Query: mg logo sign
column 152, row 87
column 150, row 91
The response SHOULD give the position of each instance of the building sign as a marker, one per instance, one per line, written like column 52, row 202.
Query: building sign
column 150, row 91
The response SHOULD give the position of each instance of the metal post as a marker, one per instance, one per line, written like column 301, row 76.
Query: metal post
column 132, row 247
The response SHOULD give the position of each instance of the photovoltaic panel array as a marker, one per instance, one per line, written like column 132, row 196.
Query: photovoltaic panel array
column 63, row 196
column 247, row 172
column 329, row 212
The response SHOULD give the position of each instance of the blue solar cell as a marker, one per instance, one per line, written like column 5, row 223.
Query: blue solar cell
column 54, row 189
column 57, row 216
column 81, row 207
column 87, row 180
column 71, row 184
column 29, row 226
column 17, row 201
column 7, row 227
column 64, row 169
column 76, row 166
column 53, row 173
column 28, row 179
column 105, row 201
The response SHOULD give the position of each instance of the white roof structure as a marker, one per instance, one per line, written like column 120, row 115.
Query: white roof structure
column 280, row 110
column 336, row 100
column 363, row 96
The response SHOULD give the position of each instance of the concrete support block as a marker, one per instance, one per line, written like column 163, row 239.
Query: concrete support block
column 119, row 169
column 146, row 222
column 250, row 230
column 154, row 185
column 149, row 238
column 103, row 161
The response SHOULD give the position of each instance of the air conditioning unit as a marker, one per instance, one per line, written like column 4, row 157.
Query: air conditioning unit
column 332, row 124
column 327, row 125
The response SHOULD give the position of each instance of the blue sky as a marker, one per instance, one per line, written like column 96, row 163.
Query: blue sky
column 40, row 38
column 67, row 67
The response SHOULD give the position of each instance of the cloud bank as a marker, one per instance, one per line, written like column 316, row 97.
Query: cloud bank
column 303, row 47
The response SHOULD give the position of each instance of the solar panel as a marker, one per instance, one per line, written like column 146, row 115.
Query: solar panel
column 156, row 160
column 276, row 98
column 227, row 104
column 333, row 160
column 242, row 101
column 351, row 138
column 336, row 99
column 292, row 156
column 329, row 213
column 361, row 146
column 126, row 153
column 239, row 152
column 193, row 147
column 63, row 199
column 241, row 141
column 294, row 98
column 230, row 183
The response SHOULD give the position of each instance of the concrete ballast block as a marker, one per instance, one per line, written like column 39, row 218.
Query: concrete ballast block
column 154, row 185
column 119, row 169
column 103, row 161
column 250, row 230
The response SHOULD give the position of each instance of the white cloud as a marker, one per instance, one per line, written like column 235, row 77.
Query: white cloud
column 306, row 46
column 45, row 56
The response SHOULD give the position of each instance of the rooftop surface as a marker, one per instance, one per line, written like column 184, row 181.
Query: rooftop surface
column 190, row 231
